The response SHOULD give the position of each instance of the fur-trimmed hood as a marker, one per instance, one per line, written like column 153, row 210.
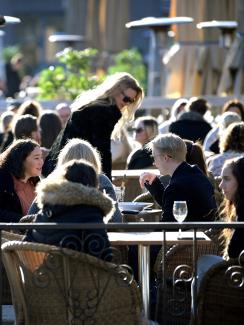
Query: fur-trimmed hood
column 62, row 192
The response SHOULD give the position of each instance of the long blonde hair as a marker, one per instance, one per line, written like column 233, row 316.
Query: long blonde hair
column 104, row 94
column 80, row 149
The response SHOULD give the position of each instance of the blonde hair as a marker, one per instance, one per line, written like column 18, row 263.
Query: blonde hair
column 170, row 144
column 104, row 94
column 80, row 149
column 150, row 125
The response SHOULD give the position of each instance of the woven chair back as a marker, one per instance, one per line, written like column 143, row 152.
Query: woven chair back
column 61, row 286
column 221, row 295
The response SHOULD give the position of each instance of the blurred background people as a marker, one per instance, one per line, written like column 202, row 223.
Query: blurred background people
column 121, row 148
column 231, row 146
column 50, row 126
column 177, row 108
column 64, row 112
column 234, row 106
column 145, row 129
column 191, row 124
column 26, row 127
column 5, row 121
column 31, row 107
column 13, row 75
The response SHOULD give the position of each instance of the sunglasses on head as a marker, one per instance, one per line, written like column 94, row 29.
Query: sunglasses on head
column 127, row 99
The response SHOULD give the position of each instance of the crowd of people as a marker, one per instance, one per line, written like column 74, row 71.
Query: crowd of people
column 55, row 165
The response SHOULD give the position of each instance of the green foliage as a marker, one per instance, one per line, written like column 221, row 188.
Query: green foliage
column 73, row 73
column 130, row 61
column 70, row 77
column 10, row 51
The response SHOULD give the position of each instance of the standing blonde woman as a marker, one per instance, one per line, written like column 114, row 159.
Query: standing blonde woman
column 97, row 114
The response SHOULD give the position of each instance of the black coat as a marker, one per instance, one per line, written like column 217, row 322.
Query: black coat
column 10, row 206
column 141, row 158
column 190, row 126
column 68, row 202
column 237, row 241
column 189, row 184
column 94, row 123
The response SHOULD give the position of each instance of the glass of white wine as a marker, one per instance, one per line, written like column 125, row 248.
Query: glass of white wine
column 180, row 212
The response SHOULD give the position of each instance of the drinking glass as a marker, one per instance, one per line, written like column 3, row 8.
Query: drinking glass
column 180, row 212
column 120, row 192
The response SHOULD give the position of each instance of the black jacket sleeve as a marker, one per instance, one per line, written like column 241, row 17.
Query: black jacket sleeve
column 156, row 189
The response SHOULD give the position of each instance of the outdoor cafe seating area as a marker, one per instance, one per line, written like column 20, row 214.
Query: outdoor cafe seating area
column 47, row 283
column 122, row 162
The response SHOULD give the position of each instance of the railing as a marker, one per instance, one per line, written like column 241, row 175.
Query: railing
column 138, row 227
column 149, row 103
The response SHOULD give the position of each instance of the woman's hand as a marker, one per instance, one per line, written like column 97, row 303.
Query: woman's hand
column 146, row 177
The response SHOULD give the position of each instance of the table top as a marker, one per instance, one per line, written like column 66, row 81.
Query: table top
column 154, row 238
column 132, row 173
column 144, row 212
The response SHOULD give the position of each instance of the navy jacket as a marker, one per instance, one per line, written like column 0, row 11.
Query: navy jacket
column 189, row 184
column 94, row 123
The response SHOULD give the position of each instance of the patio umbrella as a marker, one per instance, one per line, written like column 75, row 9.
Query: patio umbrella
column 4, row 20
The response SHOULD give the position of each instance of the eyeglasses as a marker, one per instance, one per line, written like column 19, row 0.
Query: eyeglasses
column 138, row 130
column 127, row 99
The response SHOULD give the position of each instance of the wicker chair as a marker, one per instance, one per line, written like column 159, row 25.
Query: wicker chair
column 220, row 301
column 6, row 292
column 60, row 286
column 174, row 295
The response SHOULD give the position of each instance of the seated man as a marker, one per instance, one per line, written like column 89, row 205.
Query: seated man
column 188, row 183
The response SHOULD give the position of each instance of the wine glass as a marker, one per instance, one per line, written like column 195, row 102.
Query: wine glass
column 180, row 212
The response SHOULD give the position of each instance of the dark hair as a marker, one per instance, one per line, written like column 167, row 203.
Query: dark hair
column 12, row 159
column 50, row 125
column 228, row 209
column 237, row 166
column 195, row 155
column 24, row 125
column 31, row 107
column 234, row 103
column 81, row 171
column 233, row 138
column 198, row 105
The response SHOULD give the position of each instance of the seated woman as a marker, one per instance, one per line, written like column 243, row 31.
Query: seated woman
column 20, row 168
column 232, row 185
column 231, row 146
column 71, row 195
column 82, row 149
column 146, row 129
